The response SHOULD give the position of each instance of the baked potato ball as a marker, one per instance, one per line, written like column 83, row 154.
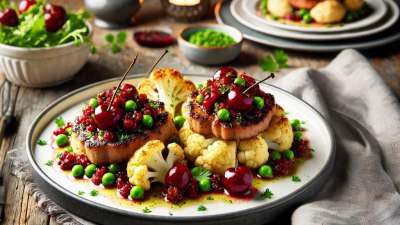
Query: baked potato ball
column 279, row 8
column 328, row 12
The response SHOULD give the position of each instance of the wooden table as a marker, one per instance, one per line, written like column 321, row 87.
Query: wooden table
column 21, row 207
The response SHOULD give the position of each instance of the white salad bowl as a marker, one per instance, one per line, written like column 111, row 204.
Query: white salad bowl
column 42, row 67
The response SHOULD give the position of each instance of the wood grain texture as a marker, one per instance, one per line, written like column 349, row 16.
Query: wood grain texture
column 22, row 209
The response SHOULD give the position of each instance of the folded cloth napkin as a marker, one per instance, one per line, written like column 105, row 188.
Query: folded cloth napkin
column 365, row 115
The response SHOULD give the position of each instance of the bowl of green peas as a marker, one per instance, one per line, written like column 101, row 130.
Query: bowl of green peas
column 210, row 44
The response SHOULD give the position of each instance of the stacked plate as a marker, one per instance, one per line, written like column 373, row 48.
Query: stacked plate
column 377, row 29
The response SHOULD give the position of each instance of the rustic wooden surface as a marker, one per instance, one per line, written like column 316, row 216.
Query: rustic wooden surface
column 22, row 209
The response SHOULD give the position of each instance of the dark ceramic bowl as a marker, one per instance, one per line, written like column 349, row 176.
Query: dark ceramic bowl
column 113, row 14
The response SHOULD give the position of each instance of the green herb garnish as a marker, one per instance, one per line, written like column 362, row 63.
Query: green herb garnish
column 272, row 64
column 81, row 192
column 42, row 142
column 296, row 179
column 146, row 210
column 60, row 121
column 201, row 208
column 200, row 173
column 115, row 43
column 267, row 194
column 49, row 163
column 94, row 193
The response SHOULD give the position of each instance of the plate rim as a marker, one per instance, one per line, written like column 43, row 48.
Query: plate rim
column 256, row 36
column 249, row 10
column 324, row 171
column 379, row 26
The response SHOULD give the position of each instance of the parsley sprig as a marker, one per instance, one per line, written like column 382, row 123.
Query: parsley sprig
column 59, row 121
column 278, row 61
column 200, row 173
column 267, row 194
column 115, row 42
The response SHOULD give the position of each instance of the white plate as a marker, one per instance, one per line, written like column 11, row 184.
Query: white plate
column 391, row 35
column 102, row 209
column 378, row 6
column 387, row 21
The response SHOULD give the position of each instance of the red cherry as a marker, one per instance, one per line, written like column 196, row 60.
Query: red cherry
column 225, row 72
column 129, row 88
column 25, row 5
column 239, row 102
column 237, row 182
column 106, row 120
column 178, row 176
column 54, row 17
column 9, row 18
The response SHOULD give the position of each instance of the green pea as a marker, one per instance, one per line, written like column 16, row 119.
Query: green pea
column 296, row 124
column 259, row 102
column 239, row 82
column 69, row 149
column 147, row 120
column 289, row 154
column 77, row 171
column 303, row 12
column 297, row 135
column 130, row 105
column 199, row 86
column 205, row 184
column 224, row 115
column 137, row 192
column 93, row 102
column 179, row 120
column 349, row 17
column 275, row 155
column 90, row 170
column 265, row 171
column 108, row 179
column 307, row 18
column 200, row 98
column 114, row 167
column 61, row 140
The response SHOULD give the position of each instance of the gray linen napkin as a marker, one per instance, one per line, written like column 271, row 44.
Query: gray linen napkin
column 365, row 115
column 365, row 183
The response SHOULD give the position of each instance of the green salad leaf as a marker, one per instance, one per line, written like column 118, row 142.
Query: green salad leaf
column 31, row 31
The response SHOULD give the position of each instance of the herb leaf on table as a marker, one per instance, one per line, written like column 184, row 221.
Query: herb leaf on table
column 272, row 64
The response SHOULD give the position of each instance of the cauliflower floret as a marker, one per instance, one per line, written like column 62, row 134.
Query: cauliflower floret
column 279, row 134
column 195, row 145
column 354, row 5
column 185, row 132
column 167, row 86
column 279, row 8
column 148, row 165
column 253, row 152
column 218, row 156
